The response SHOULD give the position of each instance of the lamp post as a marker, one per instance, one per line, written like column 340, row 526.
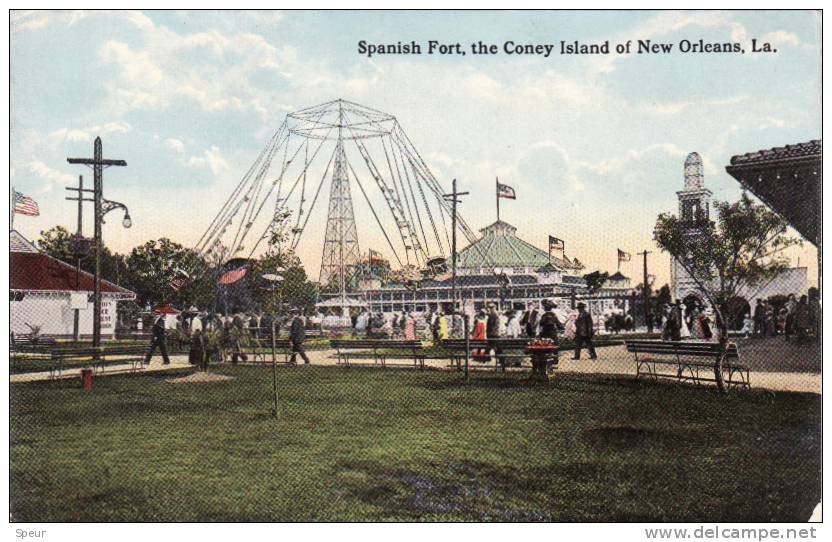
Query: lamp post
column 274, row 279
column 98, row 163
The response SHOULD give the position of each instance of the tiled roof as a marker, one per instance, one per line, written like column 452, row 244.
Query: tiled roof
column 18, row 243
column 31, row 270
column 809, row 149
column 788, row 180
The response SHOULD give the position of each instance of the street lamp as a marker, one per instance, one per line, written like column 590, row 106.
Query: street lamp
column 108, row 205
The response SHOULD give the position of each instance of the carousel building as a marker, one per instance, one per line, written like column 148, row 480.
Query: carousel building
column 503, row 269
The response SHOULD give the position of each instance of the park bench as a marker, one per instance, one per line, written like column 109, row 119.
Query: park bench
column 96, row 357
column 27, row 342
column 510, row 349
column 378, row 350
column 261, row 349
column 688, row 358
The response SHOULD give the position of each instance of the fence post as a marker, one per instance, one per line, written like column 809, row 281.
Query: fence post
column 467, row 343
column 274, row 372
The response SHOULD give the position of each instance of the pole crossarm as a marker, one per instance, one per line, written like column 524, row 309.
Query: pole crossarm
column 107, row 162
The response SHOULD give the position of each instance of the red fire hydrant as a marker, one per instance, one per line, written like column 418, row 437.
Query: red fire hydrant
column 86, row 379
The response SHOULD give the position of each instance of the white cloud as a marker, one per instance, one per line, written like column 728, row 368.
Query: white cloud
column 674, row 108
column 772, row 122
column 212, row 159
column 23, row 20
column 211, row 69
column 780, row 38
column 88, row 134
column 175, row 145
column 52, row 176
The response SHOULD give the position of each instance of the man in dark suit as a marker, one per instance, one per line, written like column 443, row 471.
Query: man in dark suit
column 158, row 340
column 297, row 334
column 674, row 321
column 529, row 321
column 584, row 330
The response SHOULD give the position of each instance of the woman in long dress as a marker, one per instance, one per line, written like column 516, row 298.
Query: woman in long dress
column 409, row 327
column 442, row 334
column 478, row 334
column 684, row 331
column 513, row 326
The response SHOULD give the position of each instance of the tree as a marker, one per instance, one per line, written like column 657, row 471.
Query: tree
column 596, row 280
column 295, row 290
column 58, row 242
column 153, row 266
column 740, row 250
column 656, row 299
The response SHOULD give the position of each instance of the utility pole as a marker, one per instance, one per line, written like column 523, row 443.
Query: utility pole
column 453, row 198
column 644, row 291
column 78, row 248
column 98, row 163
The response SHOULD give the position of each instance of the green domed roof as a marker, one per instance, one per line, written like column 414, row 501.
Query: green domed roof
column 499, row 246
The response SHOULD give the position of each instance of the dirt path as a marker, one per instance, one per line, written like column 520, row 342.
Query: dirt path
column 611, row 360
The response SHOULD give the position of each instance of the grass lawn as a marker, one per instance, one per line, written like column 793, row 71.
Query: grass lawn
column 364, row 444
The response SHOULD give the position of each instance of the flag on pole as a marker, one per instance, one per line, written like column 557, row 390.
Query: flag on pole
column 623, row 257
column 231, row 277
column 556, row 245
column 24, row 205
column 375, row 256
column 505, row 191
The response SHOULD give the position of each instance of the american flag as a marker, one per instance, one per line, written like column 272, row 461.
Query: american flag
column 505, row 191
column 24, row 205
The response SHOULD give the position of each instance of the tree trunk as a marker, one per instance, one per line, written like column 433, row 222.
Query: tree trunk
column 723, row 350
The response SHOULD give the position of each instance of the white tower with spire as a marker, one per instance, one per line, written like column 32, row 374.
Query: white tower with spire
column 694, row 208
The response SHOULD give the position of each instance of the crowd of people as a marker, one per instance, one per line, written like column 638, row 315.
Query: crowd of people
column 486, row 323
column 212, row 336
column 217, row 337
column 796, row 319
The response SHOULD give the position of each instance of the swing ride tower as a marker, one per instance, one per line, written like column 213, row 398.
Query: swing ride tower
column 346, row 146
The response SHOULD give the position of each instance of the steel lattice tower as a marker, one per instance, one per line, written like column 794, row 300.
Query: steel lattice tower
column 341, row 255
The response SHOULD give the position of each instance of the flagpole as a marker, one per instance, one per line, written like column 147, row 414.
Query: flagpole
column 497, row 187
column 11, row 227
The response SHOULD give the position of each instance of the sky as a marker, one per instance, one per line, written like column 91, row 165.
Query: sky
column 593, row 145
